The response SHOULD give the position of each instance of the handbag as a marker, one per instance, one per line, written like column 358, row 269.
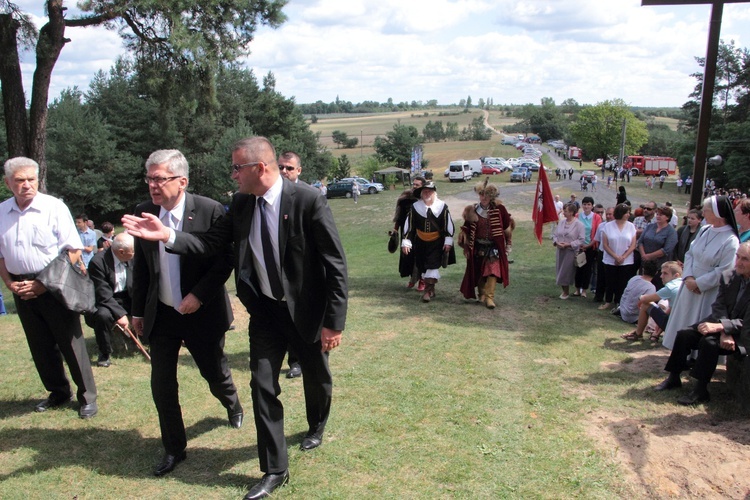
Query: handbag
column 393, row 241
column 69, row 284
column 580, row 259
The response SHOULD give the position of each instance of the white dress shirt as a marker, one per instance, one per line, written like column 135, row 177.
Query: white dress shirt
column 30, row 239
column 273, row 207
column 169, row 263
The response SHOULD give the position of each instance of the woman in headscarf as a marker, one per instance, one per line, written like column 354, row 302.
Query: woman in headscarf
column 485, row 238
column 428, row 232
column 711, row 253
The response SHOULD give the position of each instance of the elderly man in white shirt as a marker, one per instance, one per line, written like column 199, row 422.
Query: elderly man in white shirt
column 34, row 229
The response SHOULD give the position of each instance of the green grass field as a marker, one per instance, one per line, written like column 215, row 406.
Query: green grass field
column 439, row 400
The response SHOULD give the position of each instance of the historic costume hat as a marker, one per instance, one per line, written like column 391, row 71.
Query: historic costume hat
column 427, row 185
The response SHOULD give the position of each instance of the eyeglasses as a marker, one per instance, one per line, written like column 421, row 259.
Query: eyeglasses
column 159, row 181
column 288, row 168
column 236, row 168
column 648, row 208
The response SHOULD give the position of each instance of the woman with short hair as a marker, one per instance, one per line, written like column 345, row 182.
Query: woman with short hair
column 567, row 238
column 618, row 240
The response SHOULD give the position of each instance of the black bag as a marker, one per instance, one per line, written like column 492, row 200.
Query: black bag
column 69, row 283
column 393, row 241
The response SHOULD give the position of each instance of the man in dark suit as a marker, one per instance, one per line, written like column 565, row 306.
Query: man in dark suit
column 290, row 166
column 181, row 299
column 725, row 331
column 113, row 281
column 291, row 276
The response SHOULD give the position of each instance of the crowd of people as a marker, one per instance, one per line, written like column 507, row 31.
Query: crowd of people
column 165, row 276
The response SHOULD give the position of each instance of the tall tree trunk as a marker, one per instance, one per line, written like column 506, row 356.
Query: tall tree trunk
column 48, row 48
column 14, row 100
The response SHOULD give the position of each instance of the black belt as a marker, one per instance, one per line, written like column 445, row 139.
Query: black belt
column 23, row 277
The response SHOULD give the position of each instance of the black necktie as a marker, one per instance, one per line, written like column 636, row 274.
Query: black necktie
column 268, row 257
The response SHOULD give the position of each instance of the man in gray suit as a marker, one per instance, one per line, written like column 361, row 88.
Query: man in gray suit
column 181, row 299
column 291, row 276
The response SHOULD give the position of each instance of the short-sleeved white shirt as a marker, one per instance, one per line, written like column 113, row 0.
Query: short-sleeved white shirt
column 32, row 238
column 618, row 241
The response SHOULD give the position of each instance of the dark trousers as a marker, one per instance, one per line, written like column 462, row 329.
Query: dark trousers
column 601, row 277
column 207, row 348
column 53, row 334
column 709, row 351
column 617, row 280
column 102, row 321
column 583, row 274
column 270, row 333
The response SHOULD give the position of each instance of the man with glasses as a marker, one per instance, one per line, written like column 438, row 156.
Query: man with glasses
column 291, row 275
column 181, row 299
column 290, row 166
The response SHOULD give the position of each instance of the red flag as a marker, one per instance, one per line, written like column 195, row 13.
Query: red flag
column 544, row 205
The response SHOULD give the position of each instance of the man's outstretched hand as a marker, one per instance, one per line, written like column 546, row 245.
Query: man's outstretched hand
column 148, row 227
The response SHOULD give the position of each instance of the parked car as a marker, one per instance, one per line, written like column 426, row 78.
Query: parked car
column 339, row 189
column 365, row 186
column 520, row 174
column 491, row 170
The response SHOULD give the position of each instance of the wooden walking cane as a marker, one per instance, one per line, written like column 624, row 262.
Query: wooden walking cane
column 129, row 334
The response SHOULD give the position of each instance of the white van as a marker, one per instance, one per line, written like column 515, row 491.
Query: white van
column 459, row 170
column 476, row 167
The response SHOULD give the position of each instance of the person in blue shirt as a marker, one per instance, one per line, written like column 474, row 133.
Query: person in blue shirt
column 88, row 238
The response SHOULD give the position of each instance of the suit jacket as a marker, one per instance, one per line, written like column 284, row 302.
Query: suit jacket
column 203, row 276
column 313, row 265
column 733, row 314
column 102, row 272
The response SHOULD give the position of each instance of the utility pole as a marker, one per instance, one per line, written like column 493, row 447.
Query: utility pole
column 707, row 95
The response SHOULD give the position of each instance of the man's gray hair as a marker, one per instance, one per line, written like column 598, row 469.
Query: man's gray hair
column 123, row 241
column 15, row 164
column 176, row 162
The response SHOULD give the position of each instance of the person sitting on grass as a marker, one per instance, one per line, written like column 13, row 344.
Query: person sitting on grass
column 637, row 285
column 671, row 274
column 724, row 331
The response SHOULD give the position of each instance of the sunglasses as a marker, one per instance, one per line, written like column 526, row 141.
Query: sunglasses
column 288, row 168
column 236, row 168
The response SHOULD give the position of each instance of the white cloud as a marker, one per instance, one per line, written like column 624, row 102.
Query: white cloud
column 514, row 51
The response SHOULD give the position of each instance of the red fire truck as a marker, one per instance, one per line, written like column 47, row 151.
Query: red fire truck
column 574, row 153
column 650, row 165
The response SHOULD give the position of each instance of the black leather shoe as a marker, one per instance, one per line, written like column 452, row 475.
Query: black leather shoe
column 51, row 402
column 294, row 371
column 104, row 362
column 168, row 463
column 669, row 383
column 310, row 442
column 88, row 411
column 267, row 485
column 694, row 398
column 235, row 419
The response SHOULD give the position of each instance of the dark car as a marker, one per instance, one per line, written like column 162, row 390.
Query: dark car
column 339, row 190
